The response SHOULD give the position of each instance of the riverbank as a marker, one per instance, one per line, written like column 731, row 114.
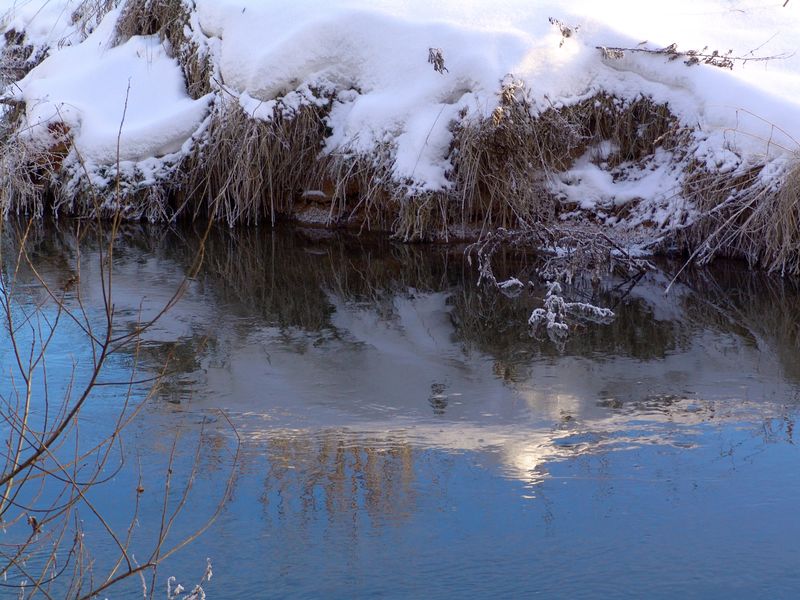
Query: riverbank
column 432, row 123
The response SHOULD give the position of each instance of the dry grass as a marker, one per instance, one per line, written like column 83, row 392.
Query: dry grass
column 248, row 170
column 88, row 14
column 17, row 57
column 28, row 172
column 245, row 170
column 21, row 191
column 21, row 182
column 502, row 164
column 500, row 167
column 131, row 199
column 422, row 217
column 746, row 216
column 360, row 189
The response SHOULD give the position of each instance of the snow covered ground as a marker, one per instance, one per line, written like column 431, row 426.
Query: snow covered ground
column 371, row 56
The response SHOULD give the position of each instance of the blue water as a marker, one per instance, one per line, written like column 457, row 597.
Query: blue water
column 403, row 435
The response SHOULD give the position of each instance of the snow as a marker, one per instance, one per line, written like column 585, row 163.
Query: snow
column 595, row 188
column 372, row 56
column 133, row 91
column 380, row 49
column 42, row 22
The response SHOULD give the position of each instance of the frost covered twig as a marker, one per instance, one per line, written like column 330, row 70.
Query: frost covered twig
column 714, row 58
column 562, row 256
column 562, row 253
column 554, row 316
column 175, row 591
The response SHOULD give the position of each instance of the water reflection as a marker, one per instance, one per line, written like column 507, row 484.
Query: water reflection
column 381, row 393
column 292, row 320
column 325, row 300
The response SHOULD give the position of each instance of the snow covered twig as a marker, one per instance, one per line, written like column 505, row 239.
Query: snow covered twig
column 714, row 58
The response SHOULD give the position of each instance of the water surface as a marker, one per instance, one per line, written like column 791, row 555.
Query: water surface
column 404, row 435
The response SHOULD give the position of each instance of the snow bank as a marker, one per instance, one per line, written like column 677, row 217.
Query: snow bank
column 371, row 59
column 380, row 50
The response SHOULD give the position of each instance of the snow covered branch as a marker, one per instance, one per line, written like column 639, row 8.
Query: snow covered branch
column 715, row 58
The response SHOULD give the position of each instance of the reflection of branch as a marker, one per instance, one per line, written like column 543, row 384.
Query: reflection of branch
column 562, row 255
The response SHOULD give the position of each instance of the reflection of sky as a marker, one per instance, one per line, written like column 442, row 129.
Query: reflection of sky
column 381, row 520
column 65, row 367
column 378, row 377
column 383, row 456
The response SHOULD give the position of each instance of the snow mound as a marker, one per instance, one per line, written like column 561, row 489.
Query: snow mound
column 133, row 94
column 371, row 60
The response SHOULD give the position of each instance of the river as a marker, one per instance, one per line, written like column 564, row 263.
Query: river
column 402, row 433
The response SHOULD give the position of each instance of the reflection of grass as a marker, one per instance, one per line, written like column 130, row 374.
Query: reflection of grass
column 343, row 476
column 285, row 279
column 761, row 308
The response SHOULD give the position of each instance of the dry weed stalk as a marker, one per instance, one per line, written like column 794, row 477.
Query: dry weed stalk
column 436, row 58
column 566, row 31
column 715, row 58
column 88, row 14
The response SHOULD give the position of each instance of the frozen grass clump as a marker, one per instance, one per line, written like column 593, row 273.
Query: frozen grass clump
column 753, row 215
